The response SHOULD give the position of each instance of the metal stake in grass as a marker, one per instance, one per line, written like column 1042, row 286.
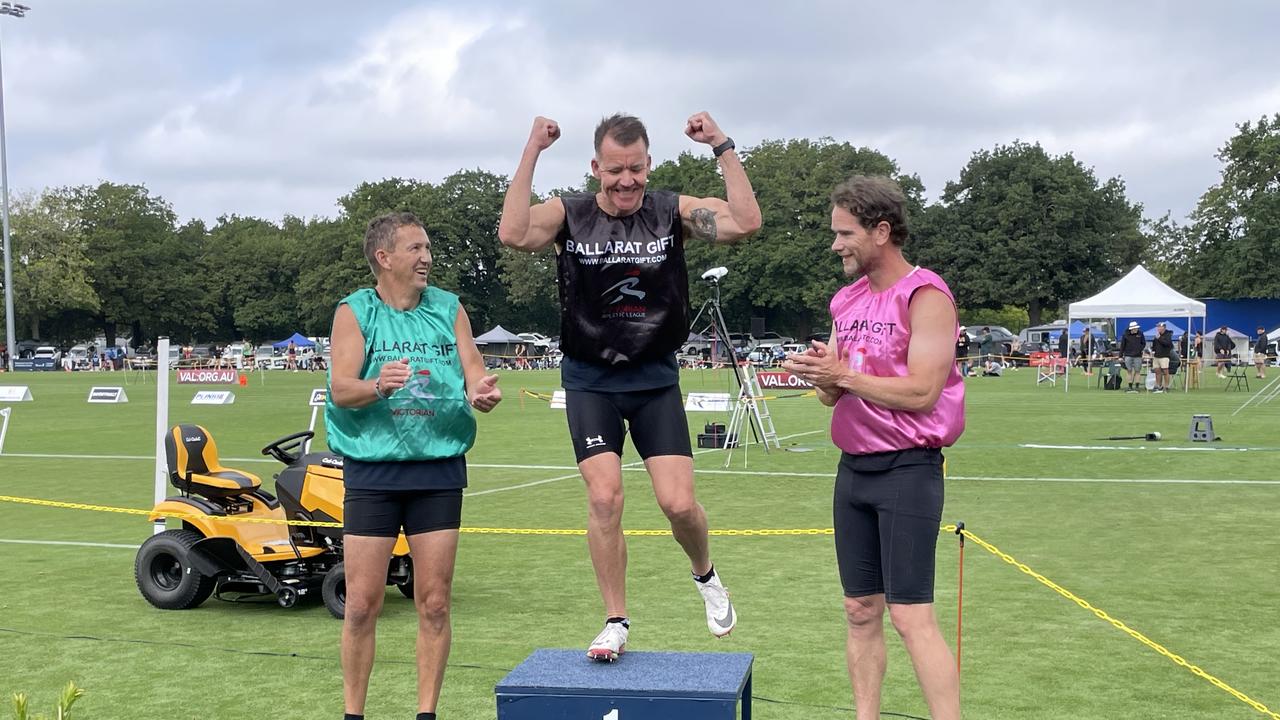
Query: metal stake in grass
column 959, row 597
column 1152, row 436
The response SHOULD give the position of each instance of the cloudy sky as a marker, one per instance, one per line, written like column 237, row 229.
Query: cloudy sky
column 274, row 108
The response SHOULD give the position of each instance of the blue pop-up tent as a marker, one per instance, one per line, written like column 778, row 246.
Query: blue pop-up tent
column 1150, row 333
column 296, row 339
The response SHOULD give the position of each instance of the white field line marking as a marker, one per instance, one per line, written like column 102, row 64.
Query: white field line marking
column 67, row 542
column 1136, row 447
column 1126, row 481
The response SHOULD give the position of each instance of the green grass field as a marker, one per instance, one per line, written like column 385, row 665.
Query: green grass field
column 1168, row 541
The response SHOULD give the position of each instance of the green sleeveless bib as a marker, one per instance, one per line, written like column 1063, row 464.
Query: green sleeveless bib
column 427, row 419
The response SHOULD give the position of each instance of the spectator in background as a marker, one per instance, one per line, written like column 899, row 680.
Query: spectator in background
column 1132, row 346
column 1162, row 353
column 291, row 357
column 962, row 351
column 1064, row 344
column 1086, row 349
column 1260, row 352
column 1222, row 349
column 986, row 345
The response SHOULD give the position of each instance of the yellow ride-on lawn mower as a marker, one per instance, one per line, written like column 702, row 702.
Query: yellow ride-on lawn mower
column 229, row 550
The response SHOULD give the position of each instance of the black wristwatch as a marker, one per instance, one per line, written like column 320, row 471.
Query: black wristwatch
column 723, row 147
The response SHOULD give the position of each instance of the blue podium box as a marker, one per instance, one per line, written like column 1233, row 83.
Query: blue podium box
column 566, row 685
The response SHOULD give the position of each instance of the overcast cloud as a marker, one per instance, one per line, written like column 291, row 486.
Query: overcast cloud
column 268, row 108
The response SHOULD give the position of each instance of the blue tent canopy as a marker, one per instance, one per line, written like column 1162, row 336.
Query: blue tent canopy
column 1076, row 329
column 296, row 339
column 1150, row 333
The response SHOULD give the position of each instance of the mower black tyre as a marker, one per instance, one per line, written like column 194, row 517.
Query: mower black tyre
column 334, row 591
column 406, row 587
column 287, row 597
column 164, row 574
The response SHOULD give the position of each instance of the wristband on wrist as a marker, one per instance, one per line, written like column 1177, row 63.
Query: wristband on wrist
column 377, row 389
column 723, row 147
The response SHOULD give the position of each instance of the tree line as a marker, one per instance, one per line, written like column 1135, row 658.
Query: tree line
column 1019, row 231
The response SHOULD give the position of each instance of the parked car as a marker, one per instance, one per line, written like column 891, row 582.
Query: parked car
column 770, row 339
column 538, row 340
column 742, row 344
column 47, row 352
column 79, row 356
column 265, row 358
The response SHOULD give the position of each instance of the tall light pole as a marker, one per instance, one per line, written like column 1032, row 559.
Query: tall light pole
column 16, row 10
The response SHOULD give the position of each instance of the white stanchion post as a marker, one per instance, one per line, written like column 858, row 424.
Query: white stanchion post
column 162, row 425
column 312, row 427
column 4, row 429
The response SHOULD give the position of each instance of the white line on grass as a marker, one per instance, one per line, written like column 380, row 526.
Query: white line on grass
column 1127, row 481
column 1035, row 446
column 68, row 542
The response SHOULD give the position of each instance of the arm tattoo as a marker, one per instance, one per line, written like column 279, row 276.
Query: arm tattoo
column 703, row 221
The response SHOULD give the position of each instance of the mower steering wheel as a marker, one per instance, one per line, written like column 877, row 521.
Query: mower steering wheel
column 288, row 448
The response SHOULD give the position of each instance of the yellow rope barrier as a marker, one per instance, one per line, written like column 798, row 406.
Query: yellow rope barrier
column 760, row 532
column 319, row 523
column 1102, row 615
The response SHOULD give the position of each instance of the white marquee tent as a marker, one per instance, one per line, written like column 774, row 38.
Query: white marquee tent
column 1138, row 294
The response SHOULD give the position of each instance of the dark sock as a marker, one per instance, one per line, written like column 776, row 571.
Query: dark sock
column 426, row 716
column 704, row 578
column 352, row 716
column 625, row 622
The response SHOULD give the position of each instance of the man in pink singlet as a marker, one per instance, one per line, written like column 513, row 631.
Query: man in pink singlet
column 899, row 399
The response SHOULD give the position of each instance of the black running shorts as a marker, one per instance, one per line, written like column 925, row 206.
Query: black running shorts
column 382, row 513
column 655, row 419
column 887, row 510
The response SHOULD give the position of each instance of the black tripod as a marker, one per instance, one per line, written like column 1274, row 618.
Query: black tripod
column 720, row 333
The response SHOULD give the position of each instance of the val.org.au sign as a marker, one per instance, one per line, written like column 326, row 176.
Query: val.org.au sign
column 780, row 380
column 208, row 376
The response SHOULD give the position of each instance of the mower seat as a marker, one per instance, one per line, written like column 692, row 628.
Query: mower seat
column 193, row 463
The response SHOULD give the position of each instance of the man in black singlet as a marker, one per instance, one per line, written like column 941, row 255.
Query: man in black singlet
column 624, row 297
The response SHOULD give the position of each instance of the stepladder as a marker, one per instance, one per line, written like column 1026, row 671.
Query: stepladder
column 751, row 410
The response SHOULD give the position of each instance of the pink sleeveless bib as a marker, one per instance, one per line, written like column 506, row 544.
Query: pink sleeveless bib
column 873, row 331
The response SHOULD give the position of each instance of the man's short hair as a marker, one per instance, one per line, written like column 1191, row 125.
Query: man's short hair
column 380, row 234
column 872, row 200
column 624, row 129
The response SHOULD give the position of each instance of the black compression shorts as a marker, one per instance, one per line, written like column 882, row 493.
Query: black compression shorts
column 655, row 419
column 382, row 513
column 887, row 509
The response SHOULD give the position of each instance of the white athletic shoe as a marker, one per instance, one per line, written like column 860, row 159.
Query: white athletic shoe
column 721, row 616
column 610, row 643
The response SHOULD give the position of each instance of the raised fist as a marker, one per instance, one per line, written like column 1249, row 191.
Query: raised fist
column 701, row 128
column 544, row 133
